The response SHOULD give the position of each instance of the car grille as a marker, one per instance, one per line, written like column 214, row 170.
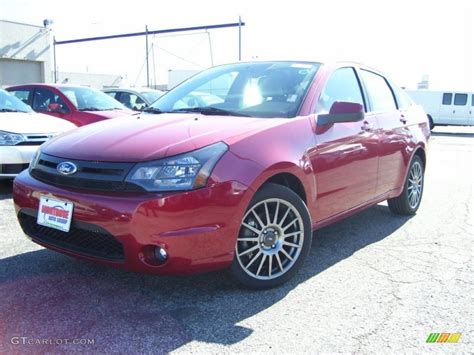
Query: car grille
column 90, row 175
column 82, row 238
column 12, row 168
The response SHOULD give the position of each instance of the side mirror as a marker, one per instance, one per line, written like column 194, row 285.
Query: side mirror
column 342, row 111
column 55, row 108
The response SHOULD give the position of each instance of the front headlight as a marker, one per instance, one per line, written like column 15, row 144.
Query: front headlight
column 7, row 138
column 182, row 172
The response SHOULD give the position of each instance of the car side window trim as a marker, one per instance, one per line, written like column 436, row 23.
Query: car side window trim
column 362, row 90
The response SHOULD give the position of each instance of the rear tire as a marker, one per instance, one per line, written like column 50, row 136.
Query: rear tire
column 274, row 238
column 409, row 201
column 431, row 123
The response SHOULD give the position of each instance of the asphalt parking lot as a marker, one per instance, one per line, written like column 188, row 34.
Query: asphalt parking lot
column 374, row 282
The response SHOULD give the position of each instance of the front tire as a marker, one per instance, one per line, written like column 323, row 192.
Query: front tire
column 409, row 201
column 274, row 238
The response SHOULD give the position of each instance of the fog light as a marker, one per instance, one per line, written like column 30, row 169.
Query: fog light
column 161, row 255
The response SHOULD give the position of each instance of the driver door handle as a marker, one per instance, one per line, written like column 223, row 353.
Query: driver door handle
column 367, row 126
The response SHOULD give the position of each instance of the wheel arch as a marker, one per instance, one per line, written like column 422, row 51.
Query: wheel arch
column 420, row 152
column 290, row 181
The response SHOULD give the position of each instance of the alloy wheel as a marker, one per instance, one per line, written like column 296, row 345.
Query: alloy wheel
column 415, row 184
column 270, row 239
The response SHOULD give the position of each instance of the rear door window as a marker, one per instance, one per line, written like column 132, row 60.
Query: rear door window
column 403, row 100
column 447, row 98
column 380, row 94
column 460, row 99
column 343, row 85
column 23, row 95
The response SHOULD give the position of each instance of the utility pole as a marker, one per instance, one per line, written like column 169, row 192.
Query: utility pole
column 210, row 48
column 54, row 60
column 240, row 38
column 147, row 64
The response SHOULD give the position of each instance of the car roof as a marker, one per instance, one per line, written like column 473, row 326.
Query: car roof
column 49, row 85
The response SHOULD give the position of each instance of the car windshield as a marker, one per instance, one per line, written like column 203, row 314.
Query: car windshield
column 260, row 89
column 151, row 96
column 10, row 103
column 88, row 99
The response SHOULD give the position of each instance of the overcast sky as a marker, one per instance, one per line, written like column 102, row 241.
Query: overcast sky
column 404, row 39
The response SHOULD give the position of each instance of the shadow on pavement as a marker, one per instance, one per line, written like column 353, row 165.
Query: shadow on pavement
column 48, row 295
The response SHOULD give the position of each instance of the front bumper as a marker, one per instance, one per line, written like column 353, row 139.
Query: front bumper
column 15, row 155
column 197, row 228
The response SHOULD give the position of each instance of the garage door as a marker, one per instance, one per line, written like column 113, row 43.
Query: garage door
column 14, row 72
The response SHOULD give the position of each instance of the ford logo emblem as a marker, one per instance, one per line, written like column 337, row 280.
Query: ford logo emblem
column 66, row 168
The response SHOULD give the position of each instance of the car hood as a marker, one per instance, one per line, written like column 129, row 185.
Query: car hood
column 149, row 137
column 32, row 122
column 110, row 114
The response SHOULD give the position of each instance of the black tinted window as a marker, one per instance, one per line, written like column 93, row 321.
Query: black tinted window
column 447, row 99
column 460, row 99
column 380, row 94
column 43, row 98
column 341, row 86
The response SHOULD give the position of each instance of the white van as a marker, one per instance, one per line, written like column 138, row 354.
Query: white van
column 446, row 107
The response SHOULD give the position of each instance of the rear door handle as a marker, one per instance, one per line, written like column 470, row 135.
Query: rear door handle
column 403, row 119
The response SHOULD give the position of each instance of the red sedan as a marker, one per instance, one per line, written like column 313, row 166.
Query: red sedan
column 77, row 104
column 289, row 147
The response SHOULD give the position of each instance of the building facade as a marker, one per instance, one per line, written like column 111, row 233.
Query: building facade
column 25, row 53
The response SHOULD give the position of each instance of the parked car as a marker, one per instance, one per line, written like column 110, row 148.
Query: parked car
column 22, row 131
column 446, row 107
column 136, row 100
column 77, row 104
column 293, row 147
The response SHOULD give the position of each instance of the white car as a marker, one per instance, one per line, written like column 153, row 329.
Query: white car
column 446, row 107
column 22, row 131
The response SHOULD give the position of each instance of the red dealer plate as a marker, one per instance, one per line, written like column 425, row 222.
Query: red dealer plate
column 55, row 214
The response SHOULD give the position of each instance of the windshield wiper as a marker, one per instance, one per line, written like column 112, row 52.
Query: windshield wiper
column 211, row 111
column 9, row 110
column 89, row 109
column 154, row 110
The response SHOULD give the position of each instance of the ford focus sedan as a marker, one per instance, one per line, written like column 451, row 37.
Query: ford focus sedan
column 242, row 183
column 22, row 131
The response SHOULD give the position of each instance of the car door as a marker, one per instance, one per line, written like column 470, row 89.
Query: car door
column 345, row 156
column 445, row 109
column 393, row 131
column 471, row 112
column 461, row 108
